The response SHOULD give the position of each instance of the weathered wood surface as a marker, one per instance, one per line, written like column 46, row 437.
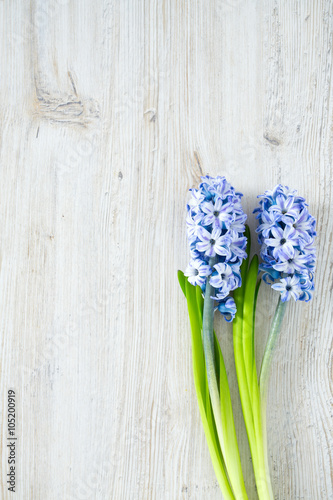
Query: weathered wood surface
column 109, row 112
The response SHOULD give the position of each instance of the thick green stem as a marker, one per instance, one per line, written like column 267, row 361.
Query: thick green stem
column 244, row 325
column 232, row 465
column 208, row 343
column 266, row 370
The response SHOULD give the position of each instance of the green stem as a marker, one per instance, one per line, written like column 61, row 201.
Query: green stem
column 195, row 308
column 265, row 371
column 244, row 325
column 232, row 461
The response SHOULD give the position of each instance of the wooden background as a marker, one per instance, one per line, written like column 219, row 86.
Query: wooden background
column 110, row 111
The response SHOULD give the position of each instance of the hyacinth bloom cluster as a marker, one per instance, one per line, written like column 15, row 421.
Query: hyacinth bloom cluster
column 286, row 233
column 215, row 229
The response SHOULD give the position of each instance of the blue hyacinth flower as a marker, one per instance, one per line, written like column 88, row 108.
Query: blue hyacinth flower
column 286, row 232
column 215, row 229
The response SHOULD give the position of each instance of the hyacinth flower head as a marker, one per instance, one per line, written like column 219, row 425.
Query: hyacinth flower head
column 215, row 229
column 286, row 233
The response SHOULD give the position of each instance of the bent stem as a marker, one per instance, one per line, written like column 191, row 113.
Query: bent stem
column 231, row 456
column 266, row 370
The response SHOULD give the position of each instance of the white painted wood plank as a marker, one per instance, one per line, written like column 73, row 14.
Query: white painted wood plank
column 110, row 111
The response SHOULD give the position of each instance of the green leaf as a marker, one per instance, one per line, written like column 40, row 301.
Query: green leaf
column 199, row 370
column 248, row 322
column 254, row 381
column 195, row 305
column 181, row 279
column 249, row 348
column 215, row 453
column 244, row 351
column 232, row 457
column 245, row 392
column 239, row 292
column 200, row 301
column 255, row 377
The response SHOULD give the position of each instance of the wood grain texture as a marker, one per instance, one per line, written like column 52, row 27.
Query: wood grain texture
column 110, row 110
